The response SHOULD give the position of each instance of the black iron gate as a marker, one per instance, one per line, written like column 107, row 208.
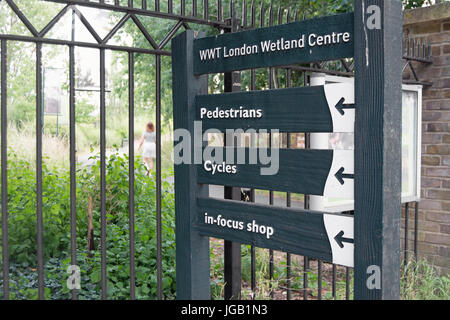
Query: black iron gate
column 223, row 16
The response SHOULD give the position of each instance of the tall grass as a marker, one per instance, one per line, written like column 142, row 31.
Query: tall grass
column 55, row 149
column 420, row 281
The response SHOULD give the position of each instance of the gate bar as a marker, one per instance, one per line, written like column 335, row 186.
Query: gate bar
column 158, row 180
column 4, row 169
column 131, row 173
column 103, row 174
column 83, row 44
column 158, row 14
column 39, row 215
column 73, row 165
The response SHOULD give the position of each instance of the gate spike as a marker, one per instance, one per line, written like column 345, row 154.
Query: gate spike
column 244, row 13
column 253, row 14
column 271, row 14
column 280, row 15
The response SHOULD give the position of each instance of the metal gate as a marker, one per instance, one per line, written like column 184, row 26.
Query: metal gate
column 223, row 16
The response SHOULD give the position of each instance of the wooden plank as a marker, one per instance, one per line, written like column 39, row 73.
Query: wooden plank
column 328, row 108
column 284, row 229
column 378, row 94
column 296, row 231
column 192, row 249
column 317, row 172
column 337, row 28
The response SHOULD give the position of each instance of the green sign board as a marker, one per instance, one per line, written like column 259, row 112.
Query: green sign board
column 305, row 41
column 367, row 240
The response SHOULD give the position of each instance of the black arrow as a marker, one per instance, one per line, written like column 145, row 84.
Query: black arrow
column 340, row 239
column 340, row 175
column 340, row 106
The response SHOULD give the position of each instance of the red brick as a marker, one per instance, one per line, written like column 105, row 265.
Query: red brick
column 437, row 104
column 426, row 28
column 436, row 50
column 443, row 149
column 431, row 93
column 445, row 228
column 445, row 94
column 446, row 26
column 445, row 72
column 446, row 206
column 428, row 204
column 438, row 127
column 437, row 238
column 437, row 172
column 439, row 37
column 430, row 182
column 444, row 251
column 427, row 248
column 431, row 115
column 446, row 160
column 432, row 138
column 431, row 161
column 438, row 194
column 430, row 226
column 441, row 60
column 437, row 216
column 446, row 48
column 445, row 183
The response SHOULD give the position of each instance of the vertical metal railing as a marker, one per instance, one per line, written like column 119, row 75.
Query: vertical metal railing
column 158, row 179
column 104, row 275
column 73, row 184
column 39, row 213
column 131, row 173
column 4, row 169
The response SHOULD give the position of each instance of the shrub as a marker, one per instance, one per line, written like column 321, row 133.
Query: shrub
column 56, row 209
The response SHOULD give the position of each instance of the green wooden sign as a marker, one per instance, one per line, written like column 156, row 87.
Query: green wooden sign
column 305, row 41
column 328, row 108
column 317, row 172
column 328, row 237
column 369, row 240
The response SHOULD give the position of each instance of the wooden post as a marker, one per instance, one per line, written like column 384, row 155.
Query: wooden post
column 192, row 249
column 378, row 101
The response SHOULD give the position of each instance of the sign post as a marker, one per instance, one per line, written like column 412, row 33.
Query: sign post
column 369, row 240
column 192, row 249
column 378, row 95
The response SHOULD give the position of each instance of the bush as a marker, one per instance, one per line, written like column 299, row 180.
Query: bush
column 56, row 209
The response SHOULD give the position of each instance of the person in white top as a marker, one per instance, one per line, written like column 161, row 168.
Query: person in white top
column 148, row 140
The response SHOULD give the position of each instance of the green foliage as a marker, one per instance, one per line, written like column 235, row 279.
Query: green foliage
column 56, row 209
column 410, row 4
column 420, row 281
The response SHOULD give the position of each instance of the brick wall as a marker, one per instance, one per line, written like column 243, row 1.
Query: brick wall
column 433, row 24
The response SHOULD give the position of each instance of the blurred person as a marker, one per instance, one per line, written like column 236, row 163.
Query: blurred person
column 148, row 141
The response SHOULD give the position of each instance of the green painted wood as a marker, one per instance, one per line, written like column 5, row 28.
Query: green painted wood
column 295, row 231
column 378, row 78
column 292, row 31
column 232, row 250
column 288, row 110
column 300, row 171
column 192, row 249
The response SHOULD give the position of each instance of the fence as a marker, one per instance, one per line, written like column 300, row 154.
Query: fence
column 223, row 17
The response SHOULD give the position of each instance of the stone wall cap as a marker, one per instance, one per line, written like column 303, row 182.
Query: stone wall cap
column 437, row 12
